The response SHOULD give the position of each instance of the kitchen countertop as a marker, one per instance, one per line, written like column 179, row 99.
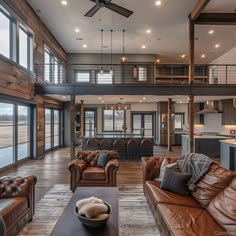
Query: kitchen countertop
column 207, row 136
column 229, row 141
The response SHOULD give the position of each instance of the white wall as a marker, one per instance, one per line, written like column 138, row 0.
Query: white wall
column 213, row 123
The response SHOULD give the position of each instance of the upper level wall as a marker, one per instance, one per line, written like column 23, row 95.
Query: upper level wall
column 14, row 80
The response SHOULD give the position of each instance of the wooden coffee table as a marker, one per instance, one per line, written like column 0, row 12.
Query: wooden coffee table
column 69, row 225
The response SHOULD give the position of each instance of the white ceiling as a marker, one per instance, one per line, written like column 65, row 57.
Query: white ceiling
column 168, row 23
column 110, row 99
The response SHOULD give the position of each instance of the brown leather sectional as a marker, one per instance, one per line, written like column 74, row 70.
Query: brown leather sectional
column 84, row 170
column 17, row 202
column 209, row 211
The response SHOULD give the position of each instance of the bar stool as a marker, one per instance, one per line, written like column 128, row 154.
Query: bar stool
column 119, row 146
column 106, row 144
column 92, row 144
column 146, row 148
column 133, row 149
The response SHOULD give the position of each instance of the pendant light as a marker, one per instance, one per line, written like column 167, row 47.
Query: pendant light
column 111, row 70
column 101, row 71
column 123, row 58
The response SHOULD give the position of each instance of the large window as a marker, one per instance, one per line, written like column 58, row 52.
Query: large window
column 52, row 128
column 113, row 120
column 142, row 73
column 104, row 78
column 4, row 34
column 21, row 52
column 82, row 76
column 53, row 69
column 15, row 128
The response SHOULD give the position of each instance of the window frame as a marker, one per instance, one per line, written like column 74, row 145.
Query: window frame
column 95, row 119
column 146, row 69
column 80, row 82
column 113, row 119
column 105, row 72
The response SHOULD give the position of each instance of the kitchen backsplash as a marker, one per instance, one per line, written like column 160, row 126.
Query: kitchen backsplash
column 213, row 123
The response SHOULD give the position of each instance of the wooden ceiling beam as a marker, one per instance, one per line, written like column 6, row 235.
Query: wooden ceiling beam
column 216, row 19
column 198, row 9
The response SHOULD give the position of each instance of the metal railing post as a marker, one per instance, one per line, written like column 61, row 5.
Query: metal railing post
column 226, row 74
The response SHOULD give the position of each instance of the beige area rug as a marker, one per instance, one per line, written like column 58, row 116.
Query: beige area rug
column 135, row 216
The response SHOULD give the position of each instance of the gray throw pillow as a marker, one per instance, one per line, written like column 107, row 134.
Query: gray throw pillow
column 103, row 159
column 175, row 182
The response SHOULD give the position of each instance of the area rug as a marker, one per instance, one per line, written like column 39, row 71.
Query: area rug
column 135, row 216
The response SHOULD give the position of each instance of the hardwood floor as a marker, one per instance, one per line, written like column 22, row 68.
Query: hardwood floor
column 52, row 169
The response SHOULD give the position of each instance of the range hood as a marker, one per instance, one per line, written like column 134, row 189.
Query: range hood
column 210, row 107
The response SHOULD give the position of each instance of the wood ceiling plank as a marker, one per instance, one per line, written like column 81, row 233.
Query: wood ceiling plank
column 198, row 9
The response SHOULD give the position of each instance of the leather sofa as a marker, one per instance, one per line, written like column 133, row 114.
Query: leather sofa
column 208, row 211
column 84, row 171
column 17, row 202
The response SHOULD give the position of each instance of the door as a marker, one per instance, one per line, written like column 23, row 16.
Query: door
column 143, row 124
column 90, row 122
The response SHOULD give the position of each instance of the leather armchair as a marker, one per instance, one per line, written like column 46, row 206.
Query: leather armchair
column 84, row 170
column 17, row 202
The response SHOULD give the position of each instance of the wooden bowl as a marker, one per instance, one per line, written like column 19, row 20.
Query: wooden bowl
column 93, row 223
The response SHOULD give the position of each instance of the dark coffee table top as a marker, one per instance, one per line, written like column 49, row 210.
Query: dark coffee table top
column 69, row 225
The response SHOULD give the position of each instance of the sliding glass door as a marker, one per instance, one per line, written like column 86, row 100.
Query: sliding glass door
column 90, row 121
column 15, row 130
column 53, row 126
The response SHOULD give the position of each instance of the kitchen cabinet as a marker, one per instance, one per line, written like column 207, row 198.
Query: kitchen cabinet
column 198, row 118
column 229, row 112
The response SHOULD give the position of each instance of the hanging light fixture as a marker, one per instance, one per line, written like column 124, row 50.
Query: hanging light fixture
column 101, row 71
column 111, row 70
column 234, row 102
column 123, row 58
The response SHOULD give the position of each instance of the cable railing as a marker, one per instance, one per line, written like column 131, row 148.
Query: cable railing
column 134, row 74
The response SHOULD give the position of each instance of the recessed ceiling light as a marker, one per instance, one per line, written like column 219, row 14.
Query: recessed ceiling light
column 85, row 46
column 158, row 3
column 203, row 56
column 140, row 101
column 100, row 98
column 64, row 3
column 148, row 31
column 158, row 60
column 217, row 45
column 77, row 30
column 64, row 97
column 211, row 32
column 102, row 101
column 143, row 46
column 144, row 98
column 183, row 56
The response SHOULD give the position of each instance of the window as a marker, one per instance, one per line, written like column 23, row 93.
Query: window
column 104, row 78
column 4, row 34
column 90, row 122
column 52, row 128
column 142, row 73
column 15, row 130
column 179, row 120
column 82, row 76
column 21, row 53
column 113, row 120
column 53, row 69
column 23, row 132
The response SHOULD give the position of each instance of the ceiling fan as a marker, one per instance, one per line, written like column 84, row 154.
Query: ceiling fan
column 108, row 4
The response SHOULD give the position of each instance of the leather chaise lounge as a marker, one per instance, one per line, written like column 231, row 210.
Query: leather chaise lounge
column 209, row 211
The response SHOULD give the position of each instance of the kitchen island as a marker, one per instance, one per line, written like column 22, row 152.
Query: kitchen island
column 228, row 154
column 205, row 144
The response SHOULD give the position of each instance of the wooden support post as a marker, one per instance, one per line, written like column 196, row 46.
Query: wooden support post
column 191, row 51
column 191, row 123
column 72, row 127
column 170, row 124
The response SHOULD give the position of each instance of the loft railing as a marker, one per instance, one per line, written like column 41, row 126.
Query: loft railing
column 134, row 74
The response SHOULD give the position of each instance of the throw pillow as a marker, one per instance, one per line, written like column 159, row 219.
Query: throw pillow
column 103, row 159
column 164, row 165
column 175, row 182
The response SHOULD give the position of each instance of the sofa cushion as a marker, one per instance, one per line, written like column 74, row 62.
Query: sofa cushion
column 189, row 221
column 157, row 195
column 223, row 208
column 93, row 173
column 103, row 159
column 211, row 184
column 12, row 208
column 175, row 182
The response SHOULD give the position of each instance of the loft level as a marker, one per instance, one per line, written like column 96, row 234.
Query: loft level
column 134, row 74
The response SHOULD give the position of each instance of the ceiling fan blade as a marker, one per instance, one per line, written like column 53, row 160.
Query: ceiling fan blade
column 120, row 10
column 92, row 11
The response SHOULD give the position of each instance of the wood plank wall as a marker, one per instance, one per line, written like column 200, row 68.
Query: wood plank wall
column 19, row 83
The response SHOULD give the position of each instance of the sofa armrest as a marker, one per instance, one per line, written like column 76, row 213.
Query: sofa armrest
column 151, row 166
column 11, row 187
column 76, row 167
column 112, row 165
